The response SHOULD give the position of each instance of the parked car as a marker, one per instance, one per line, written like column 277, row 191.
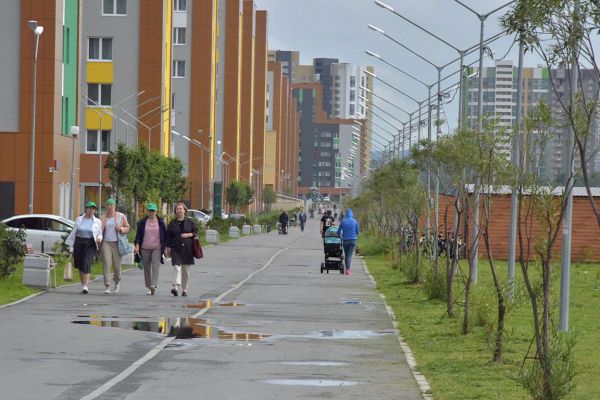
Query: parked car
column 43, row 230
column 203, row 217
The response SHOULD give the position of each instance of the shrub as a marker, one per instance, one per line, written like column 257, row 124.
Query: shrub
column 371, row 244
column 12, row 249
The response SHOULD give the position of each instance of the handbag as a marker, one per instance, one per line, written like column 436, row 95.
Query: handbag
column 197, row 248
column 137, row 259
column 68, row 272
column 124, row 246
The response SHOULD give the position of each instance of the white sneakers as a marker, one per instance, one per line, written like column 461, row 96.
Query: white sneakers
column 117, row 288
column 107, row 290
column 84, row 290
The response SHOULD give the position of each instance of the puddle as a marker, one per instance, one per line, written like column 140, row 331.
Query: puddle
column 317, row 363
column 350, row 301
column 207, row 304
column 109, row 317
column 311, row 382
column 180, row 328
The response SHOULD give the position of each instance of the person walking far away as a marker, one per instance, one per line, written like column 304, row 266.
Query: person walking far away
column 348, row 231
column 84, row 242
column 302, row 218
column 180, row 246
column 283, row 220
column 150, row 241
column 113, row 223
column 326, row 221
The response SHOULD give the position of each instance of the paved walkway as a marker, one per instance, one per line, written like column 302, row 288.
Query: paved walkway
column 292, row 333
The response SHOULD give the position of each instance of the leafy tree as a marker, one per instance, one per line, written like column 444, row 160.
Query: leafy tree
column 12, row 249
column 238, row 194
column 269, row 197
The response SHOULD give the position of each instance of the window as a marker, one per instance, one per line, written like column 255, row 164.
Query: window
column 351, row 109
column 179, row 69
column 178, row 35
column 352, row 81
column 179, row 5
column 99, row 49
column 99, row 94
column 93, row 141
column 114, row 7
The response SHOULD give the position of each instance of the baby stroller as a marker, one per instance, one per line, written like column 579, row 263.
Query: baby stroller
column 334, row 252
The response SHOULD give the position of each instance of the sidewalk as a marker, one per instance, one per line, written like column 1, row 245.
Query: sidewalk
column 295, row 334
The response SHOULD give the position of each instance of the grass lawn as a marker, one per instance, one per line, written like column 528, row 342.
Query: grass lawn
column 460, row 367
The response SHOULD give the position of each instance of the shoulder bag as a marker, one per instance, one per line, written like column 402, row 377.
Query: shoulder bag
column 197, row 249
column 124, row 246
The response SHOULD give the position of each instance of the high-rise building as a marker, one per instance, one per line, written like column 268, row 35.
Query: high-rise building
column 56, row 104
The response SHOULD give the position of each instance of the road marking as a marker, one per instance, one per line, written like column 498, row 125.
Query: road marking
column 152, row 353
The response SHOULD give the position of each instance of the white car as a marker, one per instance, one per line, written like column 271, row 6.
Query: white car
column 43, row 230
column 204, row 218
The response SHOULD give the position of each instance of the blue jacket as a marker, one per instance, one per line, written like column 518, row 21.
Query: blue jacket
column 348, row 229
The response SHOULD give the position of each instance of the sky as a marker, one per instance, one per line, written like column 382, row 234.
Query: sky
column 339, row 29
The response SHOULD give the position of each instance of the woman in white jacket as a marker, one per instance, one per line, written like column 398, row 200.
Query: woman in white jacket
column 84, row 242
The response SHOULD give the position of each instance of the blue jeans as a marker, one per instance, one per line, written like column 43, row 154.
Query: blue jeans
column 349, row 246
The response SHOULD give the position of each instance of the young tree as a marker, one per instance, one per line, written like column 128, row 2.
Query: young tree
column 269, row 197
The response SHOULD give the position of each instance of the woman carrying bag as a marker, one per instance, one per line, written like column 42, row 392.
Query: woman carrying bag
column 179, row 245
column 84, row 242
column 150, row 245
column 114, row 224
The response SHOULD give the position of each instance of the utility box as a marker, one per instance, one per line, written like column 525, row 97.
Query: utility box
column 246, row 230
column 234, row 232
column 257, row 229
column 37, row 271
column 212, row 236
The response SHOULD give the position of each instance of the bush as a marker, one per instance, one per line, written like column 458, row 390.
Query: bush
column 435, row 290
column 371, row 244
column 269, row 219
column 219, row 224
column 12, row 249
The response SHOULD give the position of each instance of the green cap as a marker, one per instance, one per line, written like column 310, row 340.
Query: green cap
column 111, row 202
column 90, row 204
column 151, row 207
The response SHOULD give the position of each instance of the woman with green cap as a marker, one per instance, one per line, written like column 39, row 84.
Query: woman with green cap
column 150, row 245
column 84, row 242
column 113, row 224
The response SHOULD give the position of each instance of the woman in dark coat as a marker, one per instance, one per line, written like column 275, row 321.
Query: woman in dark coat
column 179, row 245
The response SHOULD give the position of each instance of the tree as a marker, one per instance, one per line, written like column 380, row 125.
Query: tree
column 269, row 197
column 238, row 194
column 12, row 249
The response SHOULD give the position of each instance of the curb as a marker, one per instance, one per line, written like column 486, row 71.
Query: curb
column 410, row 358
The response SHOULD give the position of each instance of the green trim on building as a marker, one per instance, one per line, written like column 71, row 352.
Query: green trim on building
column 70, row 57
column 545, row 73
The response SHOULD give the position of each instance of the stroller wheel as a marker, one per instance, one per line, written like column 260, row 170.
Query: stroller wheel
column 322, row 267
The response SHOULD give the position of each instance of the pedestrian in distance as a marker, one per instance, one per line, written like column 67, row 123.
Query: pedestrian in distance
column 84, row 243
column 179, row 245
column 348, row 231
column 150, row 240
column 302, row 218
column 113, row 223
column 283, row 221
column 326, row 221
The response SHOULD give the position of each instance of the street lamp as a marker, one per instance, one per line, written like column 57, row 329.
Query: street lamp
column 37, row 31
column 74, row 133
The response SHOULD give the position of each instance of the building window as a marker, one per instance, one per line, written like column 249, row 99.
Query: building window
column 99, row 49
column 179, row 5
column 351, row 109
column 179, row 69
column 94, row 141
column 99, row 94
column 114, row 7
column 352, row 81
column 178, row 35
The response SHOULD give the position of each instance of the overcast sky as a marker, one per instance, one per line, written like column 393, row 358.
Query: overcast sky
column 338, row 29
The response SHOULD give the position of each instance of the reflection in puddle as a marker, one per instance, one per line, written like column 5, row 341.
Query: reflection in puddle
column 317, row 363
column 311, row 382
column 346, row 334
column 180, row 328
column 208, row 304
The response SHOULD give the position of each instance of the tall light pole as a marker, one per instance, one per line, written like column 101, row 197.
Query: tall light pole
column 74, row 133
column 37, row 31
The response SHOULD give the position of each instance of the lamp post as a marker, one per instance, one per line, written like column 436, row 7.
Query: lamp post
column 74, row 133
column 37, row 31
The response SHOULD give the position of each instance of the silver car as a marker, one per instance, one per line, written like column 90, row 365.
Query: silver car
column 43, row 230
column 204, row 218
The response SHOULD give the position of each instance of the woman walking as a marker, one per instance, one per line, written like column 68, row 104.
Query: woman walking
column 113, row 224
column 150, row 245
column 84, row 242
column 179, row 245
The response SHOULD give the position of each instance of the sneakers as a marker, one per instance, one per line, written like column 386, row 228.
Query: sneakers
column 149, row 292
column 117, row 288
column 184, row 293
column 174, row 292
column 152, row 290
column 84, row 290
column 107, row 290
column 348, row 272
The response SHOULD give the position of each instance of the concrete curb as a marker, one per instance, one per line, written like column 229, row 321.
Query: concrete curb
column 410, row 358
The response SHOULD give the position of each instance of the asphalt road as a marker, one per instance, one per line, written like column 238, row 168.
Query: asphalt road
column 266, row 325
